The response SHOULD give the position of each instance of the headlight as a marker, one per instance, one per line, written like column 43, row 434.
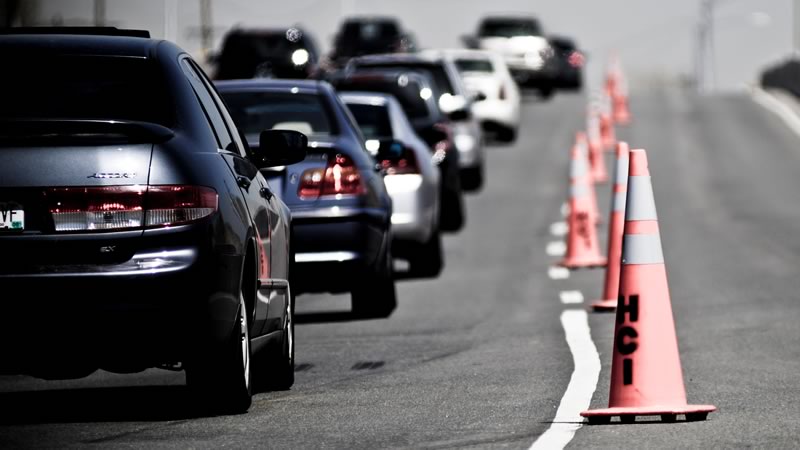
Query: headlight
column 300, row 57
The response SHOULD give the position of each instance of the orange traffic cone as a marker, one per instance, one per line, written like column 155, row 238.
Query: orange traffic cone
column 646, row 376
column 622, row 115
column 599, row 172
column 583, row 145
column 607, row 134
column 583, row 249
column 617, row 88
column 616, row 223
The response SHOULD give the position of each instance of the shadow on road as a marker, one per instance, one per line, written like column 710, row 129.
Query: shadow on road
column 323, row 317
column 116, row 404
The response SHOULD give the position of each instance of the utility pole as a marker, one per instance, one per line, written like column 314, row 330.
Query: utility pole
column 705, row 64
column 205, row 26
column 99, row 13
column 795, row 28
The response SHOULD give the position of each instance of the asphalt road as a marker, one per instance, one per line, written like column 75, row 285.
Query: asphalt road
column 477, row 358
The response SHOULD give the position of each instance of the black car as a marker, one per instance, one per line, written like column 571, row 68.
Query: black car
column 369, row 35
column 569, row 62
column 341, row 211
column 416, row 93
column 267, row 53
column 137, row 230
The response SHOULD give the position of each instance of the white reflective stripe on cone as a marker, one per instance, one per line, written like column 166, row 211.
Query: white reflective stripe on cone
column 578, row 168
column 619, row 201
column 642, row 249
column 578, row 190
column 641, row 204
column 622, row 170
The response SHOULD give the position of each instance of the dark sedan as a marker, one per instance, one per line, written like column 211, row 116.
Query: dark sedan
column 141, row 233
column 341, row 211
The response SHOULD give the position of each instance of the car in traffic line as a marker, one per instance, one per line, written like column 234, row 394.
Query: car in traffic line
column 367, row 35
column 412, row 179
column 142, row 234
column 488, row 80
column 521, row 42
column 415, row 92
column 266, row 53
column 341, row 211
column 452, row 99
column 569, row 63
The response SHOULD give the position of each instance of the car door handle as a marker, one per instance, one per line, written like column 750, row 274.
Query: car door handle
column 243, row 182
column 266, row 193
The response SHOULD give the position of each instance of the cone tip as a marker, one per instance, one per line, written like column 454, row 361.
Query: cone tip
column 622, row 149
column 638, row 163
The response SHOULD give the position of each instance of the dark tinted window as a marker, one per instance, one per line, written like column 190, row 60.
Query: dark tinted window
column 372, row 119
column 212, row 112
column 407, row 91
column 83, row 87
column 254, row 112
column 359, row 38
column 244, row 54
column 436, row 72
column 510, row 28
column 473, row 65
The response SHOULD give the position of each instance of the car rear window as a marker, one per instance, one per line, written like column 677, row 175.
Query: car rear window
column 436, row 72
column 407, row 91
column 83, row 87
column 510, row 28
column 372, row 119
column 473, row 65
column 367, row 37
column 254, row 112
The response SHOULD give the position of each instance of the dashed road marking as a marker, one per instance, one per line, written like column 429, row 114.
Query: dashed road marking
column 556, row 248
column 582, row 383
column 571, row 297
column 558, row 273
column 559, row 229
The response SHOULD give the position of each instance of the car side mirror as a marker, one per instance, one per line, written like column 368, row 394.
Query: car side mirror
column 469, row 41
column 459, row 115
column 279, row 148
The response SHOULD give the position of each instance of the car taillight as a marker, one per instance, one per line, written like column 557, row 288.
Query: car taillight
column 175, row 205
column 576, row 59
column 128, row 207
column 340, row 177
column 444, row 145
column 405, row 162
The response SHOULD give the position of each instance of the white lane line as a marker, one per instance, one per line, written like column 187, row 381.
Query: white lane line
column 581, row 385
column 556, row 248
column 780, row 109
column 558, row 273
column 559, row 229
column 571, row 297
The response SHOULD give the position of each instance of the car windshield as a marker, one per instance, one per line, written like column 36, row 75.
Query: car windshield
column 83, row 87
column 473, row 65
column 254, row 112
column 510, row 28
column 372, row 119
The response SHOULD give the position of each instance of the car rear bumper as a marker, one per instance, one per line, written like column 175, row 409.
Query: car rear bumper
column 413, row 208
column 498, row 112
column 335, row 249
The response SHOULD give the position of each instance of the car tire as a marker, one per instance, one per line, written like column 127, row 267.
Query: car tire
column 472, row 178
column 376, row 297
column 507, row 135
column 546, row 93
column 274, row 369
column 221, row 378
column 451, row 213
column 428, row 260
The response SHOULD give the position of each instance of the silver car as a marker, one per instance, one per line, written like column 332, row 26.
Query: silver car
column 411, row 178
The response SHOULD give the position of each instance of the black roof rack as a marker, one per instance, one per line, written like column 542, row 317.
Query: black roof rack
column 91, row 31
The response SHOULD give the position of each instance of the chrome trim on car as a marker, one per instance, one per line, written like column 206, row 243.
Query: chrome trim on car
column 325, row 257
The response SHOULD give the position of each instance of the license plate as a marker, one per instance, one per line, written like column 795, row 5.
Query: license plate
column 12, row 217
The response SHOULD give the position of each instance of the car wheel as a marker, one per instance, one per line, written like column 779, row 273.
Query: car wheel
column 221, row 379
column 472, row 178
column 274, row 370
column 546, row 92
column 507, row 135
column 428, row 260
column 376, row 297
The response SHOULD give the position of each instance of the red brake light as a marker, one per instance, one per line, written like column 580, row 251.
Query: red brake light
column 402, row 163
column 340, row 177
column 576, row 59
column 128, row 207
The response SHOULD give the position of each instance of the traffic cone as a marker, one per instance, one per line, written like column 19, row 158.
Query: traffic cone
column 616, row 223
column 617, row 88
column 646, row 376
column 598, row 163
column 607, row 134
column 583, row 146
column 583, row 249
column 622, row 115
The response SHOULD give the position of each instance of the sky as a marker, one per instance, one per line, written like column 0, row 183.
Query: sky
column 653, row 39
